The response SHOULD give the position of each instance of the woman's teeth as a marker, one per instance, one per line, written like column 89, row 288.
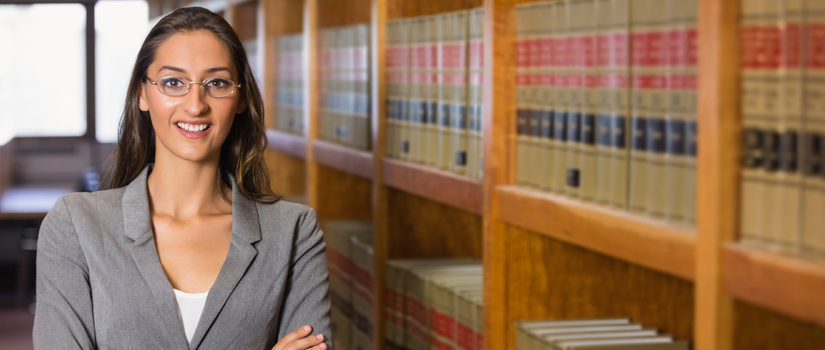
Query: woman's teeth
column 193, row 127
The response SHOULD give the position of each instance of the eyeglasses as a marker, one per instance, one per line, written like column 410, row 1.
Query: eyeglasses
column 215, row 87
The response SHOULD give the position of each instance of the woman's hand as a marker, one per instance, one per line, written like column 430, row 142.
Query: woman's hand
column 301, row 339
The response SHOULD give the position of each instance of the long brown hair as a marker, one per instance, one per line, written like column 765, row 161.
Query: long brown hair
column 242, row 151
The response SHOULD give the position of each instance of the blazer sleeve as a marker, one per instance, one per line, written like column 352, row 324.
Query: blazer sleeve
column 63, row 311
column 306, row 301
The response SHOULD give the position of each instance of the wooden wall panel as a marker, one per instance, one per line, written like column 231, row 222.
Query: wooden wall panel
column 287, row 175
column 338, row 13
column 406, row 8
column 547, row 278
column 343, row 196
column 420, row 228
column 758, row 328
column 245, row 20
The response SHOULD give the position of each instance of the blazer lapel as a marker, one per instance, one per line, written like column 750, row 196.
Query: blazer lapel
column 137, row 225
column 245, row 232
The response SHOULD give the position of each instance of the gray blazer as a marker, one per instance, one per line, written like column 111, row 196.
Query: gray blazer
column 100, row 284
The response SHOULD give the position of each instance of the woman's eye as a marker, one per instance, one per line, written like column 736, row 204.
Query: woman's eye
column 218, row 83
column 172, row 83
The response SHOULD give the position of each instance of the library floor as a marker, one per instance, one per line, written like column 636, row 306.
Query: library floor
column 16, row 321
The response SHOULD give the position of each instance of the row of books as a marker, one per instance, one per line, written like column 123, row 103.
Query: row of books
column 345, row 86
column 783, row 117
column 434, row 91
column 606, row 103
column 592, row 334
column 433, row 304
column 289, row 89
column 350, row 259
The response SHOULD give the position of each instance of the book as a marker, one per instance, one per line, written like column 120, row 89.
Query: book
column 759, row 85
column 362, row 126
column 589, row 100
column 641, row 343
column 813, row 182
column 400, row 307
column 545, row 92
column 397, row 56
column 529, row 334
column 441, row 305
column 453, row 62
column 561, row 60
column 680, row 54
column 788, row 177
column 340, row 284
column 475, row 46
column 575, row 11
column 429, row 140
column 647, row 104
column 363, row 300
column 467, row 322
column 524, row 13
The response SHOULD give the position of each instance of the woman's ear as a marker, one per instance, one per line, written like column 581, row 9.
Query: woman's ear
column 143, row 105
column 241, row 107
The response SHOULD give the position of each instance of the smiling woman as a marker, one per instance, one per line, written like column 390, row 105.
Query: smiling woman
column 189, row 248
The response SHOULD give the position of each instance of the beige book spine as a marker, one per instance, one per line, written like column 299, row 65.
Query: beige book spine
column 590, row 101
column 445, row 32
column 645, row 27
column 681, row 108
column 813, row 194
column 523, row 13
column 533, row 106
column 350, row 87
column 456, row 129
column 546, row 93
column 619, row 102
column 362, row 297
column 475, row 164
column 429, row 126
column 407, row 37
column 575, row 11
column 392, row 89
column 340, row 286
column 561, row 61
column 604, row 14
column 760, row 92
column 655, row 101
column 789, row 175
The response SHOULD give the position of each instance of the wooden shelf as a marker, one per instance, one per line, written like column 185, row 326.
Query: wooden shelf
column 654, row 244
column 789, row 285
column 343, row 158
column 440, row 186
column 294, row 145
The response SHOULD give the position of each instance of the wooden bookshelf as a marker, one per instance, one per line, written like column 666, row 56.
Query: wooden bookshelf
column 343, row 158
column 547, row 256
column 441, row 186
column 643, row 241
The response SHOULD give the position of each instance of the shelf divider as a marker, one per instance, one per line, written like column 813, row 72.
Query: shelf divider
column 293, row 145
column 440, row 186
column 343, row 158
column 647, row 242
column 789, row 285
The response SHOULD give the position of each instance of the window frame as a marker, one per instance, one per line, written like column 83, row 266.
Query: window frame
column 91, row 131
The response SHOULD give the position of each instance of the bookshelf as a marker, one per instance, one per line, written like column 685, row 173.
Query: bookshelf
column 546, row 256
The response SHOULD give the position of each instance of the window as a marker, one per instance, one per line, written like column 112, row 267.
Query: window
column 43, row 69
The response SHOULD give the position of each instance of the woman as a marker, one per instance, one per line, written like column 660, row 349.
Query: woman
column 190, row 249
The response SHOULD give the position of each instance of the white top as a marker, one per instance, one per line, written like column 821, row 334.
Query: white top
column 190, row 307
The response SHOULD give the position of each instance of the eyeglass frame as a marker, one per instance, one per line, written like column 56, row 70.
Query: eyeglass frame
column 235, row 86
